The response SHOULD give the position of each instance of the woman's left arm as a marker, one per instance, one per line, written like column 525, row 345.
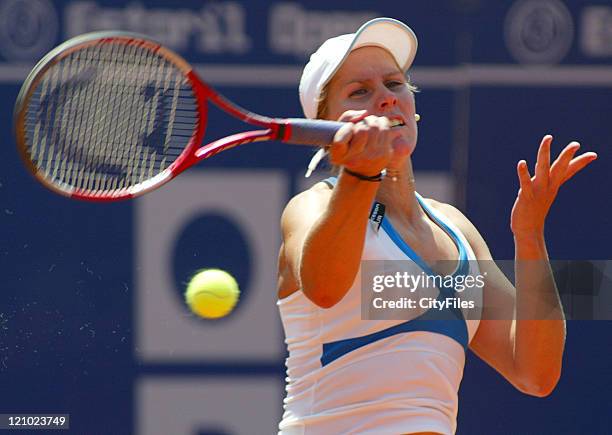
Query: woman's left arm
column 522, row 334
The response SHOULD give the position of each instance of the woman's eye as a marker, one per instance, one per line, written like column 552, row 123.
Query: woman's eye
column 394, row 84
column 358, row 92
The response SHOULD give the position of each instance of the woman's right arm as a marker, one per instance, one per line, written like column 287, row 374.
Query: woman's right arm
column 323, row 236
column 324, row 230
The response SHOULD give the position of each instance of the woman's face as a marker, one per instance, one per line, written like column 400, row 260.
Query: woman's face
column 369, row 79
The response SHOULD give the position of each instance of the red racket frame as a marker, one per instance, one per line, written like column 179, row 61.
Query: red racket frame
column 275, row 128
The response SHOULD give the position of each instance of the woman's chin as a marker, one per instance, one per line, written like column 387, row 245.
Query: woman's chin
column 402, row 147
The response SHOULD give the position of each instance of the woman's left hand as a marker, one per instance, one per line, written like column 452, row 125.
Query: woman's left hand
column 537, row 193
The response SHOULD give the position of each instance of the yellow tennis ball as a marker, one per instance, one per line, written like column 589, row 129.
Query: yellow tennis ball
column 212, row 293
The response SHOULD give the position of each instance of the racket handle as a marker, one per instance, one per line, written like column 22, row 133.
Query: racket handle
column 315, row 132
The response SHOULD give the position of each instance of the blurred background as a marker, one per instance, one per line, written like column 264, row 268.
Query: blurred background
column 92, row 320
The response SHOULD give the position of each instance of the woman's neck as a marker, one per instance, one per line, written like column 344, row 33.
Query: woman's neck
column 398, row 193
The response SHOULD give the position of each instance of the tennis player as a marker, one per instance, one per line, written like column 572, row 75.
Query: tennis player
column 348, row 375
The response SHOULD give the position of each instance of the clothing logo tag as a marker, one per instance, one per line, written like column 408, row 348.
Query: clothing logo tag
column 377, row 214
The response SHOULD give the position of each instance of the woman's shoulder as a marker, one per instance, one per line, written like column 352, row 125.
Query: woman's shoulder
column 320, row 191
column 324, row 187
column 312, row 200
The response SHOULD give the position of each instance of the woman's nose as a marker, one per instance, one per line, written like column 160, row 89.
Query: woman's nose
column 387, row 99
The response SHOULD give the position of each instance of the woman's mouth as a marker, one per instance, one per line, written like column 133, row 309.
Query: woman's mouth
column 396, row 123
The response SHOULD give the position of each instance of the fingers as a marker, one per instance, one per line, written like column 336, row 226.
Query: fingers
column 369, row 132
column 339, row 148
column 361, row 143
column 558, row 170
column 353, row 116
column 361, row 133
column 562, row 169
column 524, row 179
column 548, row 178
column 542, row 167
column 577, row 164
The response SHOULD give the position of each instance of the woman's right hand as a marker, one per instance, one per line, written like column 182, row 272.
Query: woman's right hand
column 363, row 145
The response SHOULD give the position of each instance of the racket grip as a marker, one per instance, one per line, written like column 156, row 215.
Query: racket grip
column 315, row 132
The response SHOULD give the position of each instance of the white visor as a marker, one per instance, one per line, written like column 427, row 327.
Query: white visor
column 392, row 35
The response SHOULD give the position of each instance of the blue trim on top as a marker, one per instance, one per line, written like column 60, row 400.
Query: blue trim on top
column 462, row 266
column 446, row 322
column 463, row 257
column 404, row 247
column 449, row 321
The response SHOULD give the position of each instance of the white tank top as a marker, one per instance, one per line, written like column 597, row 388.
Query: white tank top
column 346, row 375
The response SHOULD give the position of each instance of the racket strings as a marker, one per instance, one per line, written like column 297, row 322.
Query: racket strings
column 108, row 117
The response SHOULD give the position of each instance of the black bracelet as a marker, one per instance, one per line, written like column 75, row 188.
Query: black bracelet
column 375, row 178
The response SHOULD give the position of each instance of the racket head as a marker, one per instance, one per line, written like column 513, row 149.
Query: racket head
column 108, row 116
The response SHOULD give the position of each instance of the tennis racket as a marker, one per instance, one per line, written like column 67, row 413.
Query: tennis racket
column 108, row 116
